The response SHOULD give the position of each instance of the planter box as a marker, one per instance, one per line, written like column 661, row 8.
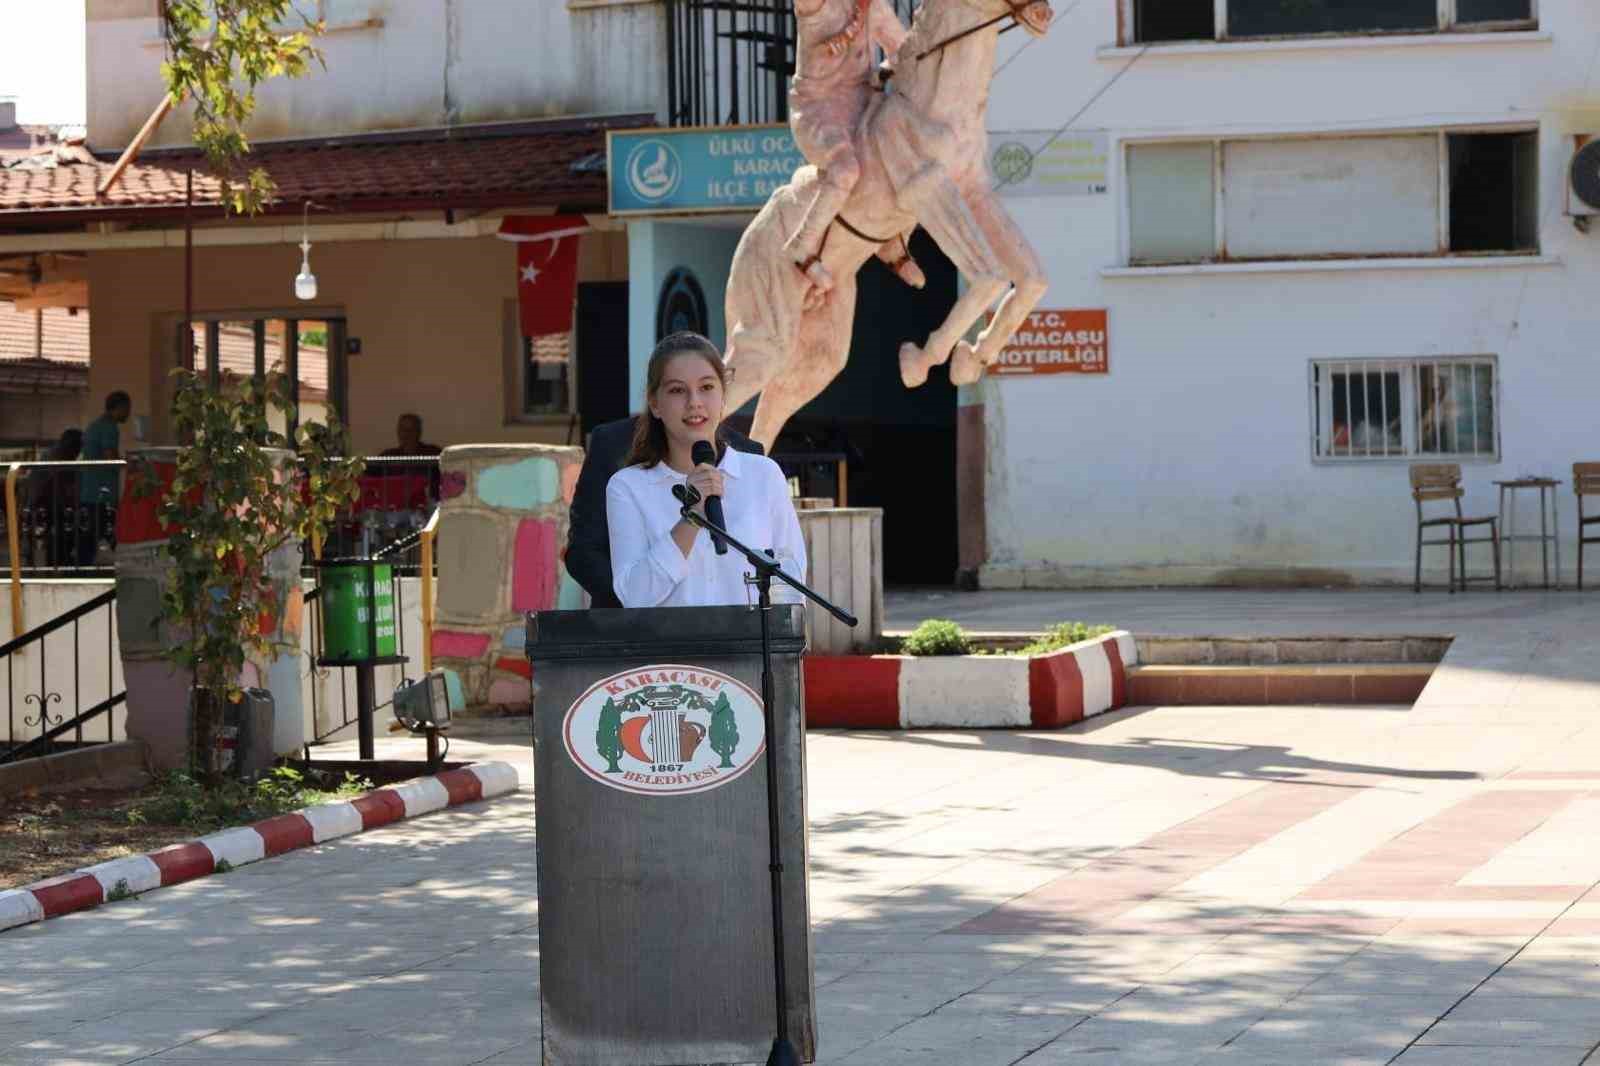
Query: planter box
column 844, row 546
column 969, row 691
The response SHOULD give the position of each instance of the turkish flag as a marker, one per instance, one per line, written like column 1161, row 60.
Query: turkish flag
column 547, row 269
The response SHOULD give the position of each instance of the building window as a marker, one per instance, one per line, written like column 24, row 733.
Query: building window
column 546, row 375
column 1166, row 21
column 1405, row 409
column 1240, row 200
column 298, row 349
column 539, row 380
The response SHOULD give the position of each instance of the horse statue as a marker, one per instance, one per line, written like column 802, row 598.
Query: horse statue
column 923, row 153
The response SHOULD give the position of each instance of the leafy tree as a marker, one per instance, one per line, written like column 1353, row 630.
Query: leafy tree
column 724, row 733
column 218, row 51
column 607, row 738
column 235, row 498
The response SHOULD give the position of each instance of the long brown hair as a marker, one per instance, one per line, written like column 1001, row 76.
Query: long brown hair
column 649, row 435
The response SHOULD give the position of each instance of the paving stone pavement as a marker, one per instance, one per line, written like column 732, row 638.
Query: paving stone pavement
column 1240, row 886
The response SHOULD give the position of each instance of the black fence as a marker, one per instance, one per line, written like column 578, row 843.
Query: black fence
column 398, row 496
column 58, row 692
column 729, row 61
column 65, row 515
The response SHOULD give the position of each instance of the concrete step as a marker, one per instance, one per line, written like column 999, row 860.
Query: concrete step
column 122, row 764
column 1276, row 684
column 1298, row 651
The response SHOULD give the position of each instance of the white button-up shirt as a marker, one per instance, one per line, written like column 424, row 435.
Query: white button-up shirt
column 649, row 570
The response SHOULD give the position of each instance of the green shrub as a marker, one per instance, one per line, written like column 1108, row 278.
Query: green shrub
column 936, row 637
column 1059, row 636
column 183, row 800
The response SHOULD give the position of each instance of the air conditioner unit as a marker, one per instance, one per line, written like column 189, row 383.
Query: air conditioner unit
column 1583, row 180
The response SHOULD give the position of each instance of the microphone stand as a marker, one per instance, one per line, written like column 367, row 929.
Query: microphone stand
column 766, row 568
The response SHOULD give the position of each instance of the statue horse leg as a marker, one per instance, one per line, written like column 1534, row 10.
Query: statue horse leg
column 820, row 353
column 1021, row 265
column 943, row 211
column 763, row 303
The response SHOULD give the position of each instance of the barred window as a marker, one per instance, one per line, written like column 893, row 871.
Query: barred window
column 1404, row 409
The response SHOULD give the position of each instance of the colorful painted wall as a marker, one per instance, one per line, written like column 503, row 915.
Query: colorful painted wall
column 502, row 524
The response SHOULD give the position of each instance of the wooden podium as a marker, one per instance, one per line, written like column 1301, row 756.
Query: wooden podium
column 655, row 905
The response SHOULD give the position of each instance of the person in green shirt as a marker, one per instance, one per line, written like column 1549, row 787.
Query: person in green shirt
column 97, row 486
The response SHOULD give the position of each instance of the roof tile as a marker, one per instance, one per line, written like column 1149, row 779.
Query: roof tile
column 533, row 168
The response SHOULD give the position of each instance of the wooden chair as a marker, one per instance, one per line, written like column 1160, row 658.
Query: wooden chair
column 1585, row 482
column 1442, row 481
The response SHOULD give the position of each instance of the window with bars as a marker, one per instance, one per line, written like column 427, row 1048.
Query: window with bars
column 1172, row 21
column 303, row 350
column 1405, row 409
column 540, row 379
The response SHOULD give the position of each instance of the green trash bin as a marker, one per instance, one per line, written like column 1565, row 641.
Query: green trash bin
column 349, row 600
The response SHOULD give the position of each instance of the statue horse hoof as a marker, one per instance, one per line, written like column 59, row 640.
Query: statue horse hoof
column 913, row 365
column 965, row 366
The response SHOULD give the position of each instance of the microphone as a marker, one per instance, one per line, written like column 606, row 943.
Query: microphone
column 703, row 452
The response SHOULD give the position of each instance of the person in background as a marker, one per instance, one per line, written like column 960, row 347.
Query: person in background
column 53, row 497
column 97, row 486
column 408, row 430
column 659, row 558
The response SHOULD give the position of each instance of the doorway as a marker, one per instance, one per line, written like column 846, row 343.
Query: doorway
column 602, row 353
column 899, row 443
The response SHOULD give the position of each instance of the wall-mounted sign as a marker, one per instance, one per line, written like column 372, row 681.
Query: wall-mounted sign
column 1057, row 342
column 697, row 171
column 1043, row 163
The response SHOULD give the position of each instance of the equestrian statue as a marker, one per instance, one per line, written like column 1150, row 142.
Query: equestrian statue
column 880, row 162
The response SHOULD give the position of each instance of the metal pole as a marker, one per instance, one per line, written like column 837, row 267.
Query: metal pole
column 188, row 269
column 14, row 536
column 366, row 688
column 783, row 1051
column 366, row 680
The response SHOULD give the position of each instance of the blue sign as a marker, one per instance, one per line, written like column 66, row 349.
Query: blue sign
column 696, row 171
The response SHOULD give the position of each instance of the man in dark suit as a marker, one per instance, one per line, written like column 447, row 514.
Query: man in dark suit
column 588, row 555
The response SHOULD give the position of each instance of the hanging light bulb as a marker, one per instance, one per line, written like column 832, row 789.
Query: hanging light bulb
column 305, row 282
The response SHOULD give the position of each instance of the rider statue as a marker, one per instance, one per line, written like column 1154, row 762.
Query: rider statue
column 833, row 83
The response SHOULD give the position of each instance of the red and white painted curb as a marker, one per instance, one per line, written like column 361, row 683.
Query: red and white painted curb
column 970, row 691
column 177, row 863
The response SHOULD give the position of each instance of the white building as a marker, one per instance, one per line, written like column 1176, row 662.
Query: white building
column 1326, row 251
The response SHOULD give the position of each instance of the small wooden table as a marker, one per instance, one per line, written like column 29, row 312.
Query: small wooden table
column 1549, row 534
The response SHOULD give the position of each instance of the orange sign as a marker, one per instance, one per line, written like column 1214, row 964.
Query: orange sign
column 1057, row 342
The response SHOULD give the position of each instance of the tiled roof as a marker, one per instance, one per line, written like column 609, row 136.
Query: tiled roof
column 474, row 167
column 66, row 336
column 34, row 376
column 65, row 366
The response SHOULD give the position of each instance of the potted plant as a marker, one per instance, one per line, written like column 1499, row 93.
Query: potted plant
column 234, row 504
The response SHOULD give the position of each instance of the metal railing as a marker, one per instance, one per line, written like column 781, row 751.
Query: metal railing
column 44, row 707
column 395, row 518
column 729, row 61
column 56, row 523
column 61, row 517
column 399, row 494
